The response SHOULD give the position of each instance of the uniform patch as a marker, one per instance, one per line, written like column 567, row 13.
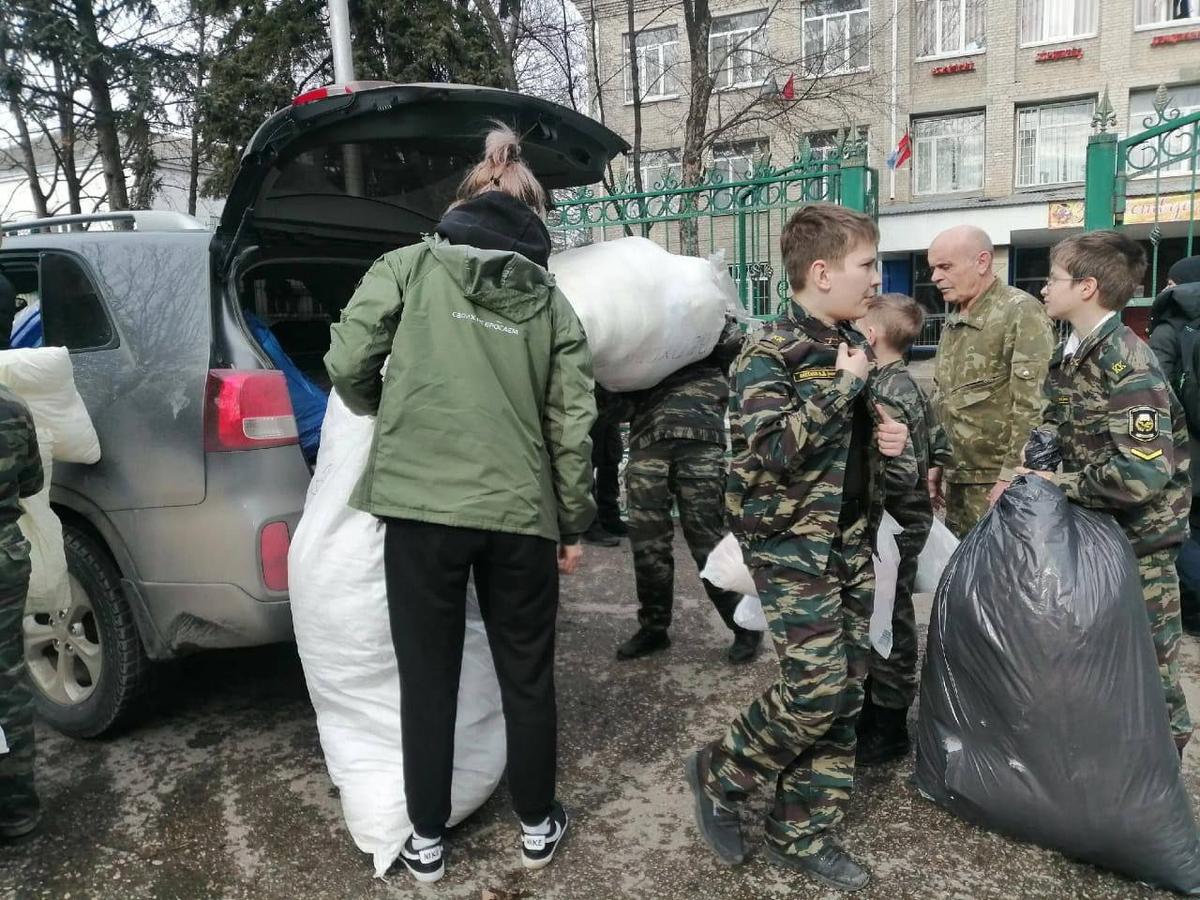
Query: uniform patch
column 1143, row 422
column 778, row 339
column 1063, row 399
column 1118, row 367
column 809, row 374
column 1146, row 455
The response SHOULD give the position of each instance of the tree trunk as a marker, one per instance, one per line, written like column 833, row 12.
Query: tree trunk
column 64, row 93
column 28, row 159
column 194, row 154
column 504, row 46
column 96, row 74
column 698, row 22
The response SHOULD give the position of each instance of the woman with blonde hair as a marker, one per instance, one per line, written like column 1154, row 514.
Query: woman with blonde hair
column 481, row 465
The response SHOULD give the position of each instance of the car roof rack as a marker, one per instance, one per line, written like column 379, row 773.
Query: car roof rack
column 130, row 220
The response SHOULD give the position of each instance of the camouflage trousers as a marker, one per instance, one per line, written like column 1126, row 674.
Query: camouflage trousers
column 892, row 682
column 966, row 504
column 692, row 475
column 18, row 800
column 1160, row 585
column 800, row 733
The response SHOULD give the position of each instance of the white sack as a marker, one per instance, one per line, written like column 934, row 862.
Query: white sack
column 726, row 569
column 49, row 589
column 43, row 378
column 339, row 609
column 887, row 573
column 647, row 312
column 934, row 558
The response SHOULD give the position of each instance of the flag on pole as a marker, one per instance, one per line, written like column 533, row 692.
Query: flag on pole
column 789, row 89
column 902, row 153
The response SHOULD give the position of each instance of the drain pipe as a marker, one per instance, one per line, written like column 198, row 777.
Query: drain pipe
column 343, row 73
column 895, row 76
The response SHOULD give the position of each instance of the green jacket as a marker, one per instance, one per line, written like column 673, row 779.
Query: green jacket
column 484, row 410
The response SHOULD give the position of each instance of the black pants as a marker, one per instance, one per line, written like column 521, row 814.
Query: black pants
column 607, row 451
column 516, row 578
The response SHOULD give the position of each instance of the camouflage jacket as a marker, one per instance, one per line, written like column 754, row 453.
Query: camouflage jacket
column 20, row 465
column 790, row 422
column 990, row 367
column 907, row 496
column 689, row 404
column 1123, row 436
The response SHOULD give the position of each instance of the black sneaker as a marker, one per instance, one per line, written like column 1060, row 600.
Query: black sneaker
column 832, row 866
column 745, row 646
column 720, row 827
column 600, row 536
column 538, row 849
column 643, row 643
column 882, row 736
column 617, row 527
column 425, row 865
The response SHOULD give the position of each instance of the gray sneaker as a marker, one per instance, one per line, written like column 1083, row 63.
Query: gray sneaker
column 832, row 866
column 720, row 827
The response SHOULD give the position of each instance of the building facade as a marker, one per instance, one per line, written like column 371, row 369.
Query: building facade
column 997, row 98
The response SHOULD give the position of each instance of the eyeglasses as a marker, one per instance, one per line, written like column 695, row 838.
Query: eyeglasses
column 1069, row 279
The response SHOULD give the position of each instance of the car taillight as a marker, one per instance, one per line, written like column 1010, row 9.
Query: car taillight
column 273, row 543
column 337, row 90
column 248, row 410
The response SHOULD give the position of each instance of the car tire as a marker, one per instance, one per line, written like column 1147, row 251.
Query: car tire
column 101, row 617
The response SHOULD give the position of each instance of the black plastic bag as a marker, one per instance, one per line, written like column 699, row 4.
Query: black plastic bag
column 1042, row 714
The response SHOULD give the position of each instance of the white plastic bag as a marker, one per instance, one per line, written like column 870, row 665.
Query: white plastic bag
column 646, row 312
column 49, row 588
column 44, row 379
column 934, row 558
column 339, row 609
column 726, row 569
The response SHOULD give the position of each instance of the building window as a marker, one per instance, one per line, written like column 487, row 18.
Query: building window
column 949, row 27
column 826, row 145
column 836, row 38
column 657, row 52
column 949, row 153
column 758, row 276
column 1141, row 109
column 657, row 165
column 737, row 50
column 1048, row 21
column 1052, row 142
column 736, row 161
column 1148, row 13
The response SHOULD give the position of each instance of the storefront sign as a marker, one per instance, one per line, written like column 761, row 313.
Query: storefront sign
column 953, row 69
column 1052, row 55
column 1138, row 210
column 1179, row 37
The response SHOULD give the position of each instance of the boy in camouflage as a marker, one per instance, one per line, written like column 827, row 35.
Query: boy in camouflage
column 20, row 476
column 1121, row 430
column 892, row 323
column 805, row 496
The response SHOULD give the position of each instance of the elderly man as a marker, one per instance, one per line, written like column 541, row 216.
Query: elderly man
column 991, row 362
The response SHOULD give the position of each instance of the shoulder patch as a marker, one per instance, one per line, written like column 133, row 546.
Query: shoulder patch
column 1119, row 368
column 814, row 372
column 1145, row 455
column 1143, row 424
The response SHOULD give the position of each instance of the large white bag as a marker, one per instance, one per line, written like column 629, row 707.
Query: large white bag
column 934, row 558
column 647, row 312
column 339, row 609
column 43, row 378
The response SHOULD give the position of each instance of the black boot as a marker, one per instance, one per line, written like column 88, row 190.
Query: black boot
column 833, row 867
column 643, row 643
column 745, row 645
column 882, row 735
column 598, row 535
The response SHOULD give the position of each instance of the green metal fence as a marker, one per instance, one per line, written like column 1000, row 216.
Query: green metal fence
column 1168, row 150
column 739, row 216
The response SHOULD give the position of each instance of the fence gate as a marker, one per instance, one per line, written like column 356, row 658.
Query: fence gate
column 739, row 214
column 1125, row 177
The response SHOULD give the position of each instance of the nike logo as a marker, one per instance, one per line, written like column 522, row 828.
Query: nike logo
column 537, row 842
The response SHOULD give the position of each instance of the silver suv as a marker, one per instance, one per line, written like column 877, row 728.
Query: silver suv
column 177, row 539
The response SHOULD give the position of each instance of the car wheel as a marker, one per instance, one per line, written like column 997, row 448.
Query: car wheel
column 85, row 659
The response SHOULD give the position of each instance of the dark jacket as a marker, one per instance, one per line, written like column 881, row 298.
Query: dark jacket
column 1173, row 309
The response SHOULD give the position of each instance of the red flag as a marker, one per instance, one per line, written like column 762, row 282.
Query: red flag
column 902, row 153
column 789, row 89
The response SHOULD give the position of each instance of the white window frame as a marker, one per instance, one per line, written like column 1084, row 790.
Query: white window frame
column 1087, row 105
column 751, row 40
column 668, row 81
column 822, row 142
column 1044, row 41
column 864, row 11
column 1167, row 23
column 941, row 52
column 657, row 163
column 923, row 145
column 726, row 154
column 1137, row 125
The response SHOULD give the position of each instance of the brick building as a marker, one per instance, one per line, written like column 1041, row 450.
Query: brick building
column 998, row 98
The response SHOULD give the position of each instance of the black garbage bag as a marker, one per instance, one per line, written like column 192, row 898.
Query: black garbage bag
column 1042, row 715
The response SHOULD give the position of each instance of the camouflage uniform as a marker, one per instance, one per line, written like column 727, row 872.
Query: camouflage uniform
column 677, row 456
column 892, row 682
column 1125, row 451
column 794, row 420
column 20, row 476
column 991, row 363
